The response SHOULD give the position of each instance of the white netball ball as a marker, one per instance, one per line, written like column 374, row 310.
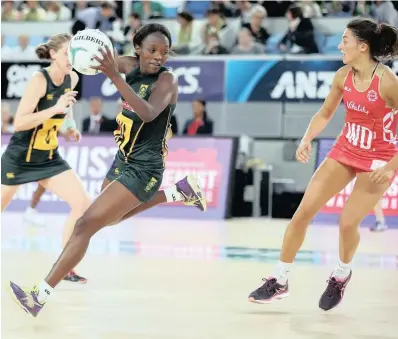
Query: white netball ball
column 83, row 46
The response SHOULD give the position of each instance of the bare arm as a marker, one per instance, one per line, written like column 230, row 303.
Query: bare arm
column 35, row 90
column 333, row 100
column 389, row 91
column 74, row 80
column 161, row 95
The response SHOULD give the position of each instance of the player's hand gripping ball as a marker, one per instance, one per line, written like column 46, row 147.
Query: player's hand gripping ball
column 83, row 46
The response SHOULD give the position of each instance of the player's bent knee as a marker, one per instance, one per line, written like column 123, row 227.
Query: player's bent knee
column 85, row 227
column 88, row 224
column 80, row 227
column 348, row 224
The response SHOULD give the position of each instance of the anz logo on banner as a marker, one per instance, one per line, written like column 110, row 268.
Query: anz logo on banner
column 303, row 85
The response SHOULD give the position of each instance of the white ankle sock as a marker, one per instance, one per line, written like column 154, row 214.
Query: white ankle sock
column 342, row 270
column 172, row 195
column 381, row 220
column 45, row 291
column 281, row 272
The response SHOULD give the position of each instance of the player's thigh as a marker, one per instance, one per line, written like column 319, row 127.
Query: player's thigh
column 7, row 192
column 105, row 184
column 364, row 197
column 329, row 179
column 68, row 186
column 110, row 206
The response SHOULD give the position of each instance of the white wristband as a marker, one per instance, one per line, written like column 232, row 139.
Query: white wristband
column 70, row 123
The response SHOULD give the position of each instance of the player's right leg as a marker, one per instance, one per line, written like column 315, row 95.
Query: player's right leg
column 68, row 186
column 329, row 179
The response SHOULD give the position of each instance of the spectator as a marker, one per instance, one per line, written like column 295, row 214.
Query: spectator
column 213, row 46
column 78, row 7
column 245, row 10
column 226, row 7
column 57, row 11
column 340, row 8
column 106, row 17
column 33, row 12
column 6, row 51
column 246, row 44
column 8, row 12
column 300, row 36
column 362, row 9
column 7, row 120
column 148, row 9
column 24, row 51
column 97, row 122
column 200, row 124
column 255, row 27
column 215, row 23
column 135, row 23
column 385, row 12
column 311, row 9
column 186, row 38
column 96, row 17
column 276, row 9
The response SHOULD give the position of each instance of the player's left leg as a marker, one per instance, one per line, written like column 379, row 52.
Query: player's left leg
column 68, row 186
column 380, row 224
column 363, row 198
column 114, row 202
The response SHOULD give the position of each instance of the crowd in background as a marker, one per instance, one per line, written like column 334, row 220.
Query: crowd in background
column 250, row 38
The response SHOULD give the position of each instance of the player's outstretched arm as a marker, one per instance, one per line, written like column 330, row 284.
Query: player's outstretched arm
column 332, row 101
column 166, row 86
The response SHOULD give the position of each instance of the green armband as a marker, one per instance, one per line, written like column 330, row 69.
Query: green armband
column 70, row 123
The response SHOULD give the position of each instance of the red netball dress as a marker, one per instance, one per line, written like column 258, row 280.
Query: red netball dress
column 368, row 140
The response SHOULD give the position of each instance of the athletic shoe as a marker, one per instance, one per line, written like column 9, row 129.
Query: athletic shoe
column 31, row 216
column 26, row 299
column 379, row 227
column 269, row 291
column 73, row 277
column 334, row 292
column 193, row 195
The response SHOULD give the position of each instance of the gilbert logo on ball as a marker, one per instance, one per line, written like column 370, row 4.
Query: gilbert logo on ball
column 83, row 46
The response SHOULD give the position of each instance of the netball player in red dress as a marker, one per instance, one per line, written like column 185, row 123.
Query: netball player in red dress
column 366, row 149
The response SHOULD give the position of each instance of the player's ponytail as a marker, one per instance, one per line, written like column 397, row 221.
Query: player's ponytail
column 382, row 39
column 388, row 46
column 43, row 52
column 55, row 43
